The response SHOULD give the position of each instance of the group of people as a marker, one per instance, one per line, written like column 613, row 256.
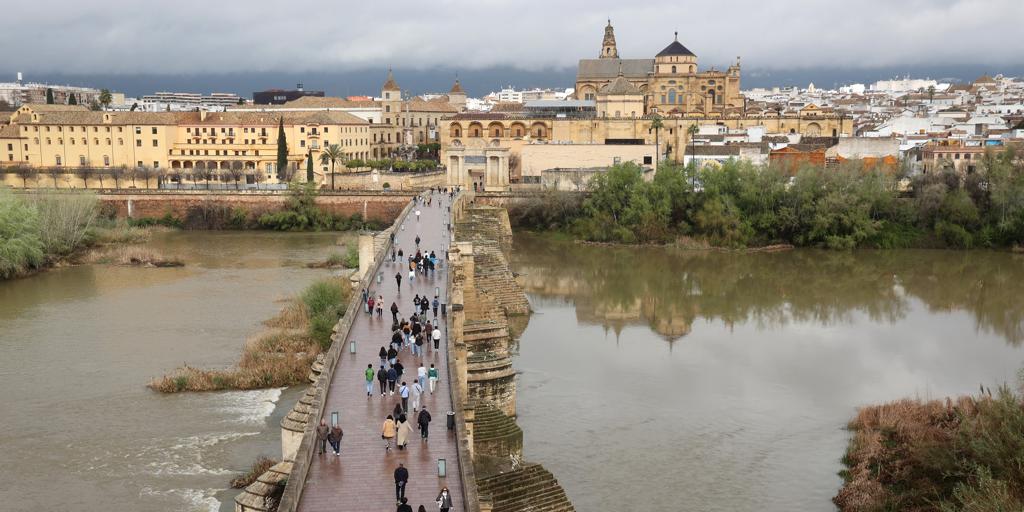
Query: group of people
column 418, row 334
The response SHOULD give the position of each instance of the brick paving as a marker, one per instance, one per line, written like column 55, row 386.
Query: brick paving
column 362, row 477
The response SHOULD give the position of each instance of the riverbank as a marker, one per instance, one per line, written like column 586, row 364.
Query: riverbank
column 740, row 205
column 962, row 454
column 280, row 355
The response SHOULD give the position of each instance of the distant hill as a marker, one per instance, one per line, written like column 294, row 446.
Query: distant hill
column 476, row 82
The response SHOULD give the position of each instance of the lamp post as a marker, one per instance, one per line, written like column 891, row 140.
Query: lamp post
column 442, row 468
column 352, row 346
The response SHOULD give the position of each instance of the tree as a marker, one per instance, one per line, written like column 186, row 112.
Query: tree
column 95, row 106
column 146, row 173
column 106, row 98
column 118, row 174
column 83, row 173
column 134, row 107
column 174, row 175
column 258, row 177
column 235, row 171
column 282, row 150
column 132, row 173
column 55, row 172
column 309, row 167
column 241, row 101
column 331, row 155
column 692, row 132
column 931, row 93
column 72, row 100
column 49, row 96
column 26, row 173
column 656, row 125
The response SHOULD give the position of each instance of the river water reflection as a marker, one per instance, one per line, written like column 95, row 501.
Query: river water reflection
column 658, row 379
column 77, row 346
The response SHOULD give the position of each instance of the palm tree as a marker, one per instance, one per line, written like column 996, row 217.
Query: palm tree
column 106, row 98
column 657, row 125
column 692, row 131
column 931, row 93
column 331, row 155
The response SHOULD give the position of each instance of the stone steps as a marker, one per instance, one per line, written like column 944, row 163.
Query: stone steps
column 530, row 489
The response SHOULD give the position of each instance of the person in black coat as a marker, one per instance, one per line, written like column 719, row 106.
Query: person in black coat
column 401, row 478
column 424, row 421
column 382, row 379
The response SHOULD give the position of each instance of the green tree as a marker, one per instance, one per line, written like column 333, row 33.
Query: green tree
column 49, row 96
column 26, row 172
column 20, row 245
column 330, row 156
column 106, row 98
column 931, row 94
column 309, row 167
column 282, row 150
column 72, row 100
column 657, row 125
column 692, row 132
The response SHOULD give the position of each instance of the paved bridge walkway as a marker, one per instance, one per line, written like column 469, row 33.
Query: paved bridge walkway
column 362, row 477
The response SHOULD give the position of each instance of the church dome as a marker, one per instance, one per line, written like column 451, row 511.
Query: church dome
column 676, row 49
column 620, row 86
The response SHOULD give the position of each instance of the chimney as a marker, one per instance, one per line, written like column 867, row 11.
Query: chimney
column 202, row 115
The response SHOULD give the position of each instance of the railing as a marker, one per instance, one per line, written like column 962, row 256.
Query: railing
column 304, row 456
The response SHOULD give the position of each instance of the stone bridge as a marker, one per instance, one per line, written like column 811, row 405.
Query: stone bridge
column 482, row 455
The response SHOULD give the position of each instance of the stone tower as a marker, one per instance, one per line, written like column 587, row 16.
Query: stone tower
column 391, row 100
column 608, row 49
column 457, row 96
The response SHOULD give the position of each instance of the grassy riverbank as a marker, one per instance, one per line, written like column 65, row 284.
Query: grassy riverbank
column 742, row 205
column 43, row 230
column 281, row 354
column 944, row 456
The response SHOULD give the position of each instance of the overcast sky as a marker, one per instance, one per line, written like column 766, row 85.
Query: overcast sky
column 190, row 36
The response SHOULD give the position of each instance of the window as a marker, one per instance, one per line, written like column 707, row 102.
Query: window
column 156, row 165
column 302, row 129
column 154, row 130
column 302, row 143
column 673, row 70
column 648, row 160
column 138, row 130
column 120, row 141
column 138, row 143
column 58, row 160
column 106, row 161
column 81, row 159
column 139, row 164
column 155, row 143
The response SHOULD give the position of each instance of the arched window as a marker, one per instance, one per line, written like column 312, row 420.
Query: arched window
column 671, row 96
column 673, row 70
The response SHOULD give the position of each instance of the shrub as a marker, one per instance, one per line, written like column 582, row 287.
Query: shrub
column 65, row 220
column 261, row 465
column 351, row 257
column 21, row 247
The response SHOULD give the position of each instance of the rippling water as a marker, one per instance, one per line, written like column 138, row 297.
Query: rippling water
column 77, row 346
column 656, row 379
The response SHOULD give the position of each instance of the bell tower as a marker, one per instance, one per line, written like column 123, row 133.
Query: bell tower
column 608, row 49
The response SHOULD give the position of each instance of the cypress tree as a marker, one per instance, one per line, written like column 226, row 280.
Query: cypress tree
column 309, row 167
column 282, row 150
column 72, row 100
column 49, row 96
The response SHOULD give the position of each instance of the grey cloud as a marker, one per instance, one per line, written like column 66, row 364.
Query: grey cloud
column 258, row 35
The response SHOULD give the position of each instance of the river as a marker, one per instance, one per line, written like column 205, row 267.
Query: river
column 662, row 379
column 78, row 345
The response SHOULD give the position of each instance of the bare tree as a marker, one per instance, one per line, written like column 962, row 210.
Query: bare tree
column 236, row 173
column 26, row 173
column 133, row 172
column 146, row 173
column 84, row 173
column 174, row 175
column 258, row 177
column 118, row 174
column 55, row 172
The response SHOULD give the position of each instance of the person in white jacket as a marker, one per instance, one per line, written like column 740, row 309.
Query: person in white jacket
column 417, row 390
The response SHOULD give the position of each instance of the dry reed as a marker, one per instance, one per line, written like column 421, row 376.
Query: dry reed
column 259, row 466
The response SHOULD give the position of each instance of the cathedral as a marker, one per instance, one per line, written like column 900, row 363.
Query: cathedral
column 670, row 84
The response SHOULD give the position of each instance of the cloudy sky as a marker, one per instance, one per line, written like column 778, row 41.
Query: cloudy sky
column 195, row 36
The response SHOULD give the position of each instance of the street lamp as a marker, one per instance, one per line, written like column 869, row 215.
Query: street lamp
column 352, row 346
column 442, row 468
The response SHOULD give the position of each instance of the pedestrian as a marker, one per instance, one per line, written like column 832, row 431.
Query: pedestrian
column 437, row 337
column 383, row 354
column 398, row 280
column 424, row 421
column 416, row 301
column 392, row 355
column 417, row 390
column 392, row 249
column 432, row 375
column 394, row 307
column 436, row 304
column 369, row 378
column 421, row 376
column 397, row 411
column 417, row 215
column 417, row 240
column 444, row 500
column 366, row 296
column 370, row 305
column 382, row 379
column 404, row 393
column 404, row 506
column 401, row 478
column 417, row 346
column 399, row 369
column 322, row 431
column 421, row 509
column 380, row 306
column 335, row 438
column 392, row 378
column 400, row 255
column 387, row 432
column 404, row 431
column 412, row 275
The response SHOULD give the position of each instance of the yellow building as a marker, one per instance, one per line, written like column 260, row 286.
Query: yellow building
column 176, row 144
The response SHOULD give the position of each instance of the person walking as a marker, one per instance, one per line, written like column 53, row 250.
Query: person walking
column 437, row 337
column 424, row 421
column 322, row 431
column 404, row 431
column 436, row 304
column 417, row 346
column 404, row 393
column 370, row 303
column 365, row 297
column 417, row 240
column 335, row 439
column 392, row 354
column 380, row 306
column 401, row 478
column 412, row 274
column 392, row 378
column 417, row 215
column 432, row 375
column 421, row 376
column 417, row 390
column 400, row 254
column 404, row 506
column 382, row 379
column 444, row 500
column 369, row 379
column 387, row 432
column 398, row 279
column 383, row 354
column 394, row 308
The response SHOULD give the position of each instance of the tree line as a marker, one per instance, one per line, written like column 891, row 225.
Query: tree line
column 744, row 205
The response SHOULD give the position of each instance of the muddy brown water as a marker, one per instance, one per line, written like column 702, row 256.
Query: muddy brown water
column 77, row 346
column 659, row 379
